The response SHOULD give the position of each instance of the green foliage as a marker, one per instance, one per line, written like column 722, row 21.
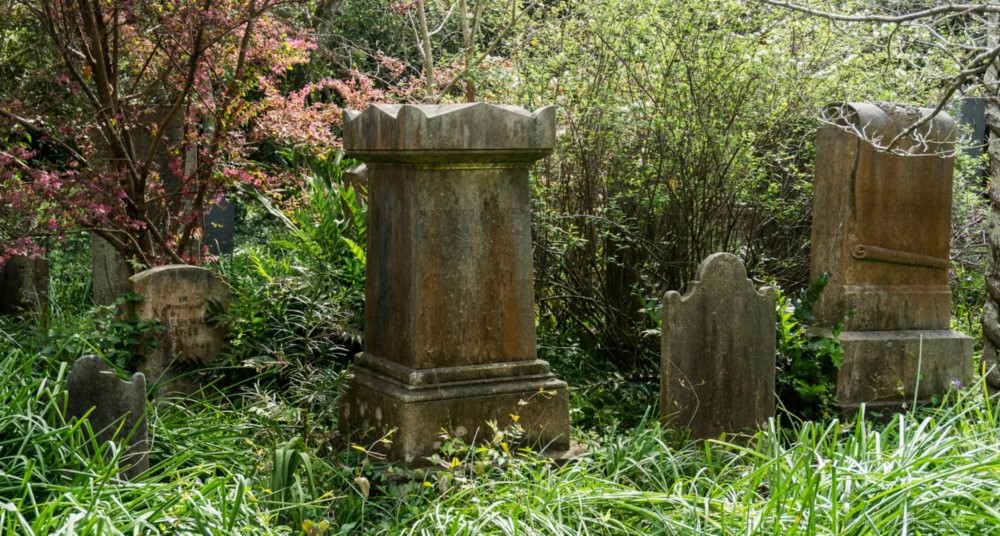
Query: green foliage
column 50, row 484
column 112, row 332
column 807, row 361
column 969, row 250
column 968, row 290
column 228, row 466
column 288, row 491
column 298, row 291
column 601, row 396
column 679, row 138
column 921, row 473
column 351, row 33
column 330, row 225
column 70, row 284
column 120, row 336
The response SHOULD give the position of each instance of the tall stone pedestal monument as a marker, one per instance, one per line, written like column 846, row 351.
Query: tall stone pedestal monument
column 449, row 307
column 882, row 229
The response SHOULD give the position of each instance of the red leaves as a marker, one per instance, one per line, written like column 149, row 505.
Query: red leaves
column 405, row 6
column 154, row 103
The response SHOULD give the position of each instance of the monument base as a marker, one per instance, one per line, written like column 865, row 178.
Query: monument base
column 888, row 370
column 411, row 407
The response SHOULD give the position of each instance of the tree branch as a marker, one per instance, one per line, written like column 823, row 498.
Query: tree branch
column 192, row 71
column 948, row 9
column 489, row 49
column 425, row 47
column 72, row 153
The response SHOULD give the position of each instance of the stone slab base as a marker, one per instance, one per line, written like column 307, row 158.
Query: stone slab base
column 883, row 369
column 374, row 405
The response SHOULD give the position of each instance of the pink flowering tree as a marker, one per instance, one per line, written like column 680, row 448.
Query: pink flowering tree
column 151, row 112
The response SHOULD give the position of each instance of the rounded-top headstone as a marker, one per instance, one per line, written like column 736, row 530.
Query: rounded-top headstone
column 880, row 122
column 717, row 353
column 181, row 298
column 95, row 390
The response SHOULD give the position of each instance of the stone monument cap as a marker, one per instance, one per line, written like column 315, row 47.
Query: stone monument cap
column 449, row 133
column 880, row 122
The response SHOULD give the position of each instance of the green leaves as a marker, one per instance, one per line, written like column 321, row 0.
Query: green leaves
column 289, row 493
column 807, row 361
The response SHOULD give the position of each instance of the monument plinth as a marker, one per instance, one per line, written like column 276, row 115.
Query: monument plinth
column 449, row 306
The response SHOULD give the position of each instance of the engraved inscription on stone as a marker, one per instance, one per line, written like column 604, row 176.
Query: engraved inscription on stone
column 180, row 297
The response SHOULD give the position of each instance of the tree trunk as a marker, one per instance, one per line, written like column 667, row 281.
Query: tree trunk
column 991, row 309
column 425, row 47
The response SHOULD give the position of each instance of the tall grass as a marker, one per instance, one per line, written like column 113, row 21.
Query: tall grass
column 213, row 471
column 264, row 460
column 929, row 473
column 202, row 480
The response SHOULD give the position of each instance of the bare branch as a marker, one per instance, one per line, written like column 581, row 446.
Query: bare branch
column 20, row 163
column 978, row 66
column 948, row 9
column 444, row 21
column 472, row 64
column 192, row 71
column 425, row 47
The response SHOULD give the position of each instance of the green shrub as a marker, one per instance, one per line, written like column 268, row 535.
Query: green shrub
column 808, row 360
column 679, row 137
column 298, row 291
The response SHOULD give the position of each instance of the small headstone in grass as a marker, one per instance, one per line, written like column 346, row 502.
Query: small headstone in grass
column 181, row 297
column 24, row 285
column 115, row 408
column 718, row 352
column 357, row 178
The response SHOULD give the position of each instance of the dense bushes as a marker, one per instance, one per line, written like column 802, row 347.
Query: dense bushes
column 686, row 129
column 298, row 291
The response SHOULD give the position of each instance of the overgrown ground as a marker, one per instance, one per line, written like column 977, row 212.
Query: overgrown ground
column 257, row 457
column 679, row 137
column 214, row 472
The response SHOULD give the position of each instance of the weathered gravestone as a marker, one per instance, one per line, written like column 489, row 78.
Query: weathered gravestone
column 109, row 271
column 24, row 285
column 882, row 230
column 115, row 408
column 449, row 305
column 180, row 297
column 357, row 178
column 718, row 352
column 973, row 119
